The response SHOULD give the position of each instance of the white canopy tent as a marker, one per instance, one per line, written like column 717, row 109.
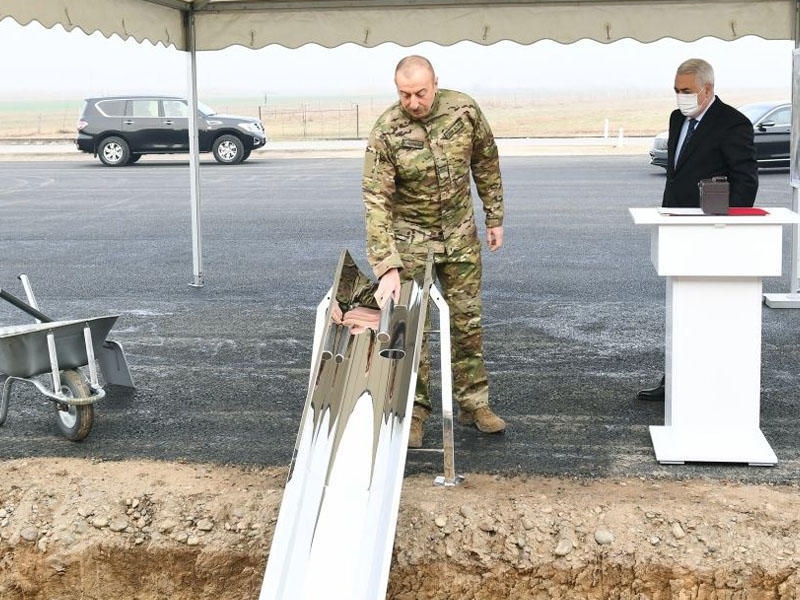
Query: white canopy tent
column 192, row 25
column 257, row 23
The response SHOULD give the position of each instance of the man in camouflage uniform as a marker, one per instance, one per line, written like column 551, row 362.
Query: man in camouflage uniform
column 416, row 190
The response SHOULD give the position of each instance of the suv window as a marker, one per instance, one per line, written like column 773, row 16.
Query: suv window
column 143, row 108
column 112, row 108
column 175, row 108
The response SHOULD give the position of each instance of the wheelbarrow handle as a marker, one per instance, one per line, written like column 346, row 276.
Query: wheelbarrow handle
column 22, row 305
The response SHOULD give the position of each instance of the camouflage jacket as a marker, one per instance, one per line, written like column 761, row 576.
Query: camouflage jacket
column 416, row 184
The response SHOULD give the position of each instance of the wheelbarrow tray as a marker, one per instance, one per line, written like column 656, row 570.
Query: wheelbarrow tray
column 23, row 348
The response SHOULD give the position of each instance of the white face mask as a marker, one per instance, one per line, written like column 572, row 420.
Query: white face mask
column 687, row 104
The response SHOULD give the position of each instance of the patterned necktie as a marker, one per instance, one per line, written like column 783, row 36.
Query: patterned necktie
column 689, row 132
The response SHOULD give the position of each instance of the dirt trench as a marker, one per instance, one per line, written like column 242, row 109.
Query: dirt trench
column 78, row 529
column 140, row 574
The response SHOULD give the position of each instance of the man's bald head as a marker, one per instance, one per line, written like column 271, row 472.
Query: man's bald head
column 412, row 63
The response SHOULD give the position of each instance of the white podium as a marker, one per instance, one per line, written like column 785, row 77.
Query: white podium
column 713, row 266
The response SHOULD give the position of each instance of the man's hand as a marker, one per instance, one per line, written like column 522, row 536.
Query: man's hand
column 361, row 318
column 388, row 287
column 336, row 312
column 494, row 237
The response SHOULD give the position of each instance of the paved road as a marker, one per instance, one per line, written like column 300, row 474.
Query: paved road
column 65, row 148
column 574, row 311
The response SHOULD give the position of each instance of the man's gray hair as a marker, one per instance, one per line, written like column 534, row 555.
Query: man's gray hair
column 413, row 62
column 702, row 71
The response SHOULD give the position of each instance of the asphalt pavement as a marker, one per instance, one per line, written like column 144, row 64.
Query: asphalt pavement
column 64, row 148
column 574, row 312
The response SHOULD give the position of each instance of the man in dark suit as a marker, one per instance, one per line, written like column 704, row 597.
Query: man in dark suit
column 707, row 138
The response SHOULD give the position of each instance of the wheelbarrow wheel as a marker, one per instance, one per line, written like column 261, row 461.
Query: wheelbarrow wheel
column 75, row 422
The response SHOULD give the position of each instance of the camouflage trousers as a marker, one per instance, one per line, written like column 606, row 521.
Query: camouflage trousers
column 458, row 277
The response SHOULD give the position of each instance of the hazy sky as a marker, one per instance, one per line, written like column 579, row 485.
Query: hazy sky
column 40, row 62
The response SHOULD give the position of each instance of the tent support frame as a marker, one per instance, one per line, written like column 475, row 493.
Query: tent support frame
column 194, row 154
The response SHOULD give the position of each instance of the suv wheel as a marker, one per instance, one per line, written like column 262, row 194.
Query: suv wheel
column 114, row 152
column 228, row 150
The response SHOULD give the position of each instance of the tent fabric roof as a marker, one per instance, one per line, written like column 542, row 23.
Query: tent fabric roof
column 258, row 23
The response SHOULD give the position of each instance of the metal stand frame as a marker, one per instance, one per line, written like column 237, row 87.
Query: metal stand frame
column 792, row 299
column 449, row 478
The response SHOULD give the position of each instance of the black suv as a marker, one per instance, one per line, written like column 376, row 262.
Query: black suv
column 120, row 129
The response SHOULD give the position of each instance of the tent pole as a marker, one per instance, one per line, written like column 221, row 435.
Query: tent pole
column 194, row 154
column 794, row 169
column 794, row 161
column 794, row 272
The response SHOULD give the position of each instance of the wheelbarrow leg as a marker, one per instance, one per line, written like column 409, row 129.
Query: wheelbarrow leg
column 4, row 399
column 54, row 370
column 114, row 365
column 91, row 364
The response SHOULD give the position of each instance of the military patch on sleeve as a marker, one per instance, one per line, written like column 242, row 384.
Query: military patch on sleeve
column 410, row 144
column 455, row 128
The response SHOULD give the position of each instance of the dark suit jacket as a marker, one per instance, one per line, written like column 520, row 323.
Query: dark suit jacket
column 722, row 145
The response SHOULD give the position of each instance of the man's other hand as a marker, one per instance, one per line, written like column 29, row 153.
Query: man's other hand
column 388, row 287
column 494, row 237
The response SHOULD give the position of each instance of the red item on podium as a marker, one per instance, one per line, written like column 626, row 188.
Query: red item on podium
column 736, row 211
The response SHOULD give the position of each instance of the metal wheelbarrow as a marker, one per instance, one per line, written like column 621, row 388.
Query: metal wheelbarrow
column 60, row 349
